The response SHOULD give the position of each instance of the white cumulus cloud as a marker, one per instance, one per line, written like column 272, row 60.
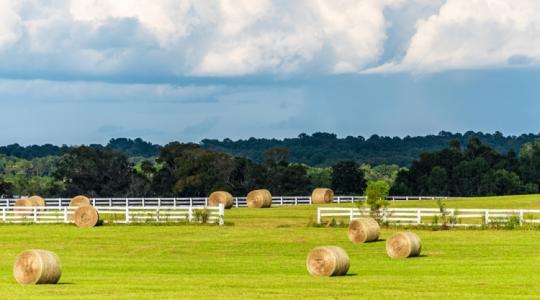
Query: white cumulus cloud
column 469, row 34
column 102, row 38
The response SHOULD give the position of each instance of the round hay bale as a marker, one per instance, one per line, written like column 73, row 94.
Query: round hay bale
column 25, row 202
column 37, row 267
column 327, row 261
column 222, row 197
column 364, row 230
column 403, row 244
column 77, row 201
column 322, row 195
column 259, row 199
column 37, row 201
column 86, row 216
column 80, row 201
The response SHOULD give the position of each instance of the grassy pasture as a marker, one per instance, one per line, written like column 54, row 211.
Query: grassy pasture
column 263, row 257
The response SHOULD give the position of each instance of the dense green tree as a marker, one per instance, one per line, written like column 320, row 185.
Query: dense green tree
column 387, row 173
column 5, row 188
column 283, row 178
column 319, row 177
column 476, row 170
column 348, row 178
column 136, row 147
column 437, row 183
column 529, row 162
column 325, row 149
column 94, row 172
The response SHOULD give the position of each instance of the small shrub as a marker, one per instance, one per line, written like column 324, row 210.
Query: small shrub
column 201, row 215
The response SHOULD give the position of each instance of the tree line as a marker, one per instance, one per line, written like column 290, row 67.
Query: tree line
column 318, row 149
column 179, row 170
column 473, row 169
column 326, row 149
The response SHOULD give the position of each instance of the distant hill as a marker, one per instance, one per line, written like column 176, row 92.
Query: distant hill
column 324, row 149
column 131, row 148
column 318, row 149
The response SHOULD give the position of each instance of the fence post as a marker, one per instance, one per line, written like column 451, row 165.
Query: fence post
column 127, row 214
column 351, row 216
column 310, row 200
column 190, row 203
column 93, row 200
column 159, row 202
column 281, row 200
column 236, row 200
column 295, row 200
column 65, row 214
column 318, row 215
column 59, row 202
column 190, row 214
column 521, row 217
column 110, row 202
column 157, row 213
column 338, row 199
column 486, row 216
column 221, row 214
column 35, row 214
column 419, row 216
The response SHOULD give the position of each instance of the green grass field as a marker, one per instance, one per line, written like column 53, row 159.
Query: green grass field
column 262, row 256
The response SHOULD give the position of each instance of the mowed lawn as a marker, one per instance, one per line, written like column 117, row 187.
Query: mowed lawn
column 262, row 256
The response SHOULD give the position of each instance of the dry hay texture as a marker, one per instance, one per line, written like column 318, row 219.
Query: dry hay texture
column 259, row 199
column 37, row 267
column 404, row 244
column 77, row 201
column 37, row 201
column 364, row 230
column 327, row 261
column 80, row 201
column 86, row 217
column 222, row 197
column 322, row 195
column 23, row 203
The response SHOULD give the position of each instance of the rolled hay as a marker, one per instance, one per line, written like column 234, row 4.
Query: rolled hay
column 80, row 201
column 37, row 267
column 404, row 244
column 327, row 261
column 77, row 201
column 364, row 230
column 23, row 203
column 259, row 199
column 322, row 195
column 86, row 217
column 221, row 197
column 37, row 201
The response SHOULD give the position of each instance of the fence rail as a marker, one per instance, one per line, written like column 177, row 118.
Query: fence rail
column 453, row 217
column 116, row 214
column 203, row 201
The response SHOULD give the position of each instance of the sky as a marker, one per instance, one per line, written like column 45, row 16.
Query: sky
column 79, row 72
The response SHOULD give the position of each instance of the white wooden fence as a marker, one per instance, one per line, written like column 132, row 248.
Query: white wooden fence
column 453, row 217
column 203, row 201
column 116, row 214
